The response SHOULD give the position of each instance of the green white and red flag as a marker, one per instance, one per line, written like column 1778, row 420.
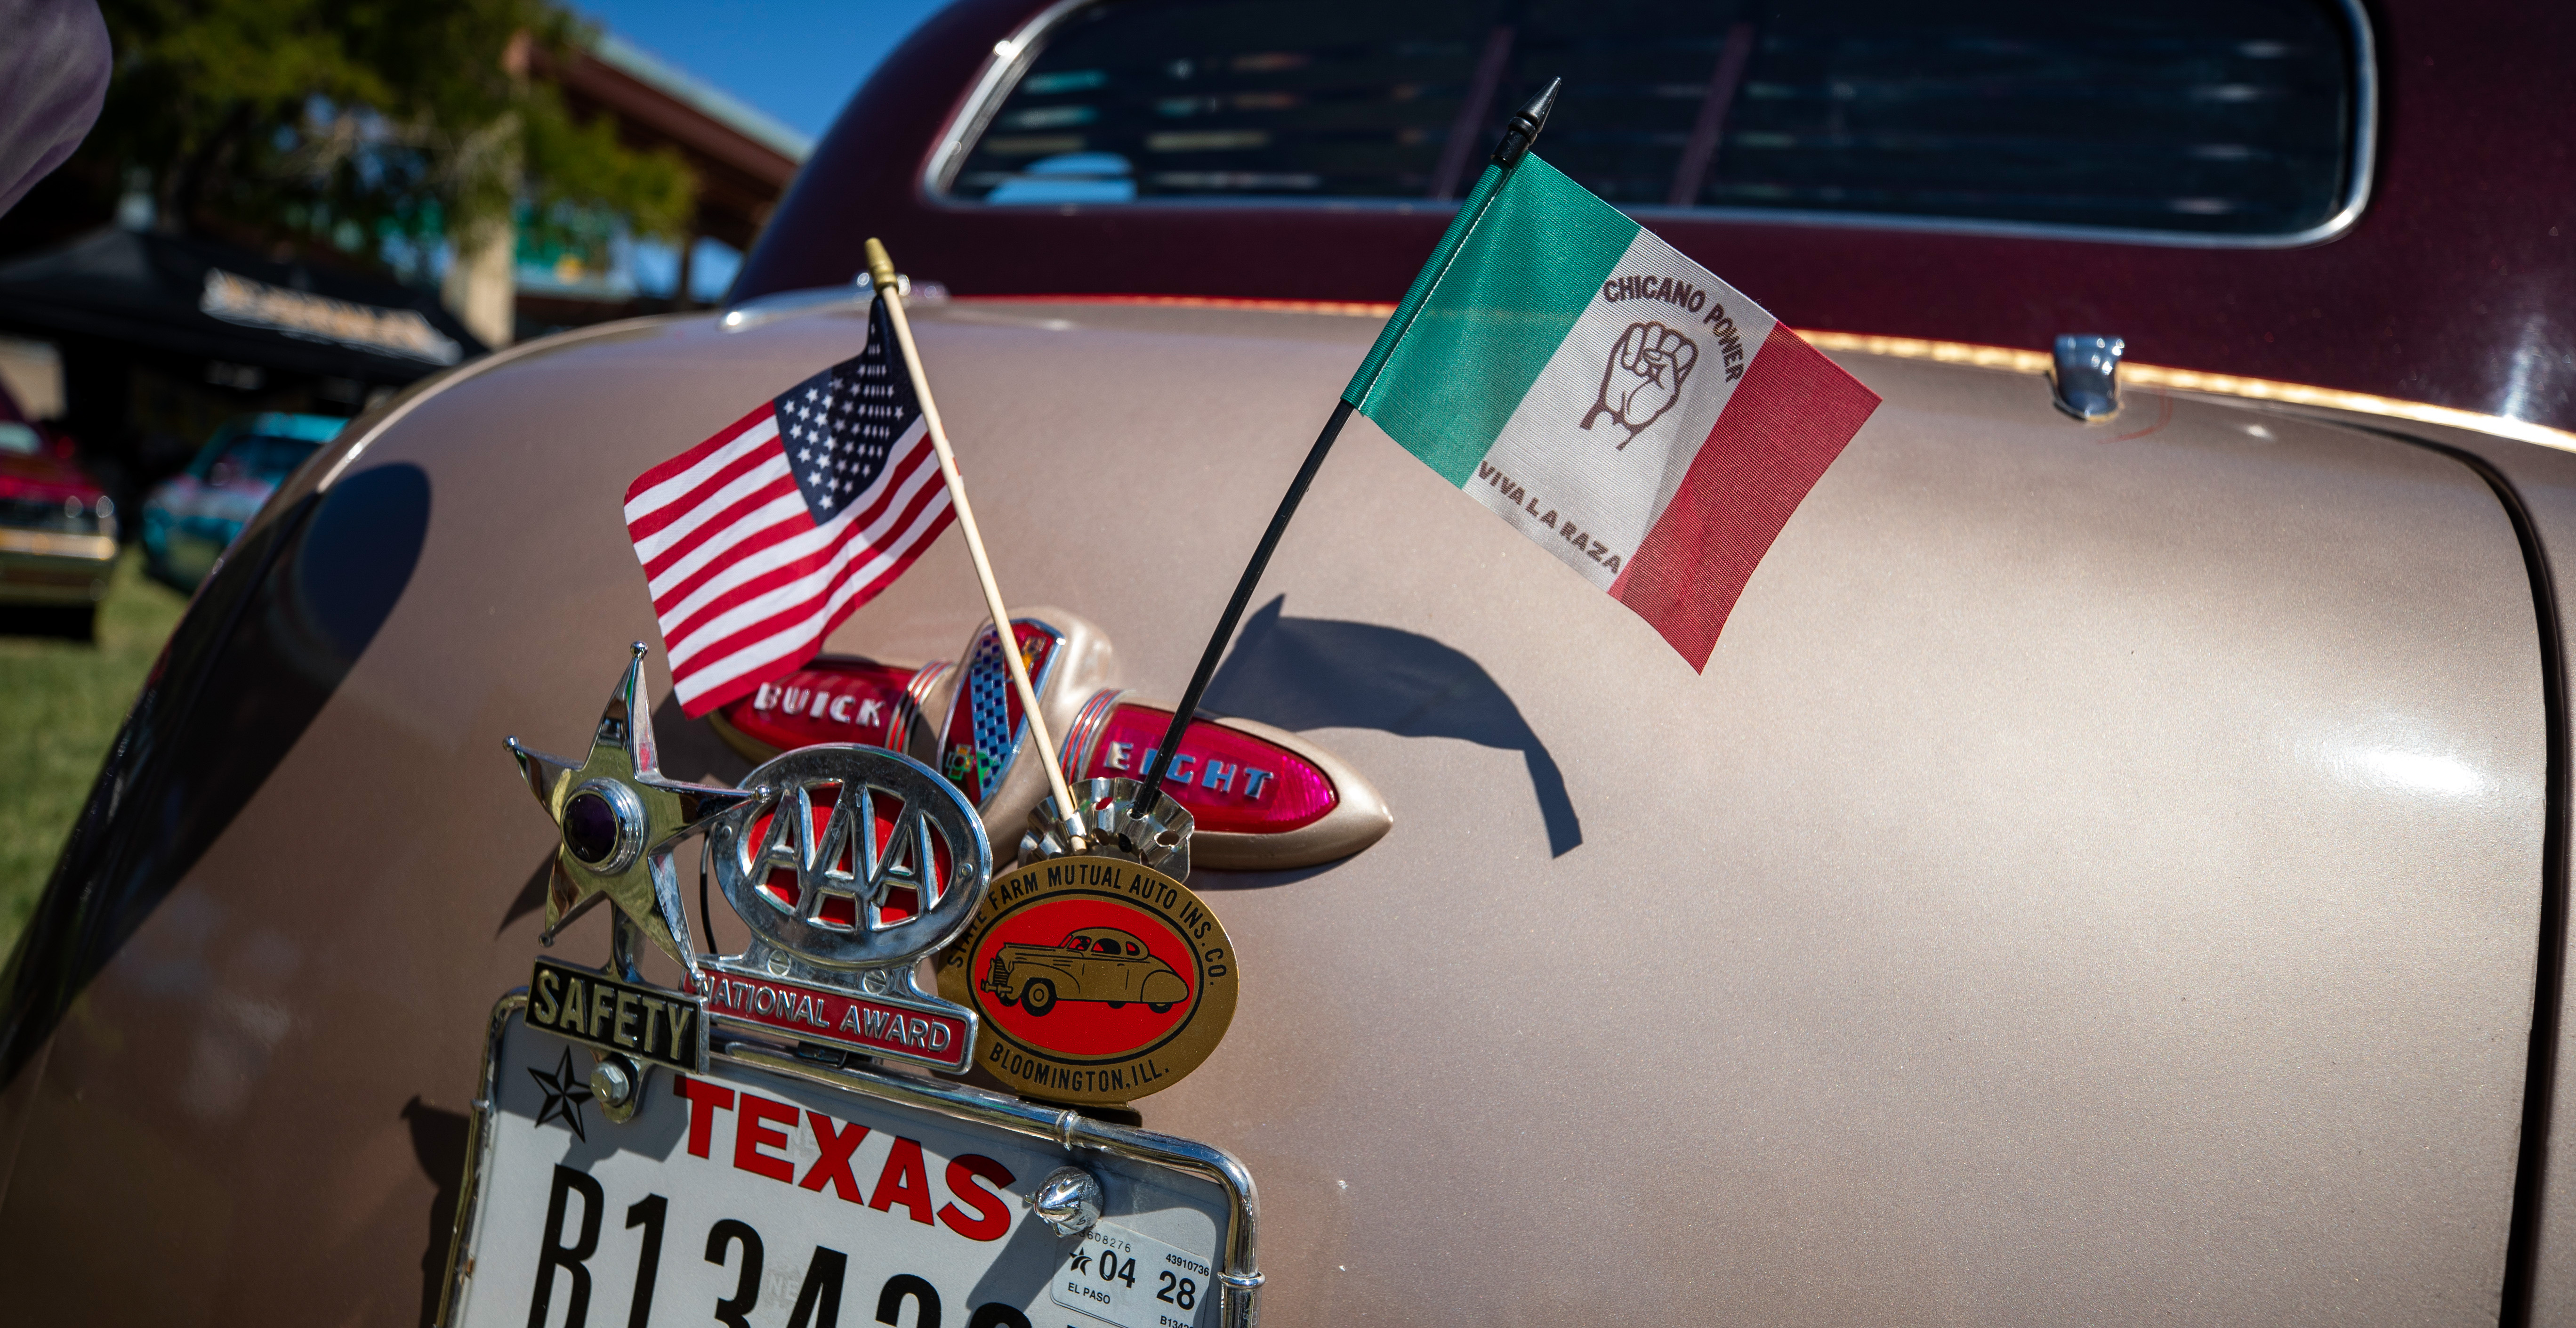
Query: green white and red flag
column 1611, row 399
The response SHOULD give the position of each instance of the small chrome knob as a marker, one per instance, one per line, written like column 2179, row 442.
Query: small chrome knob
column 1068, row 1201
column 2086, row 381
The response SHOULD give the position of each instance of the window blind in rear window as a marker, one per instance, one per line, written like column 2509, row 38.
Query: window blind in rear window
column 2217, row 118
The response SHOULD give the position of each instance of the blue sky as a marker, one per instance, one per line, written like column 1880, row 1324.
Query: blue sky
column 799, row 60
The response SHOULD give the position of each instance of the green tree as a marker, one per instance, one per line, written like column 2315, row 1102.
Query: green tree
column 381, row 127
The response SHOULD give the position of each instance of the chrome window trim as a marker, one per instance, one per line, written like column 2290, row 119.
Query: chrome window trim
column 1012, row 56
column 1001, row 73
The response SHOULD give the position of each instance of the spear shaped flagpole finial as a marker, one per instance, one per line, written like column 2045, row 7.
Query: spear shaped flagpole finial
column 1522, row 129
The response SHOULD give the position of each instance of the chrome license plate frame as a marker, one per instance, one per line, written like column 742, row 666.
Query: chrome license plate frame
column 1138, row 1168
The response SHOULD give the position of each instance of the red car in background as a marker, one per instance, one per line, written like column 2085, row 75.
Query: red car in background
column 57, row 526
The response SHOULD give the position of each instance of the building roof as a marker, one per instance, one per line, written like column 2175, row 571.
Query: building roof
column 742, row 158
column 626, row 57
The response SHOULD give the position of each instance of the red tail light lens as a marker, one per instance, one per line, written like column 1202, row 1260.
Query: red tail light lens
column 1231, row 781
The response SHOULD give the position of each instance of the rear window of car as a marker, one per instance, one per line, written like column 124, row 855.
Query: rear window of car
column 2217, row 118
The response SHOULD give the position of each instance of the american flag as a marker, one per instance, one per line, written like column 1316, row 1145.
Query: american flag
column 759, row 541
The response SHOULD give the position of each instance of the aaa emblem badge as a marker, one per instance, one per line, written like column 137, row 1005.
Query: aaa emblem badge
column 1098, row 980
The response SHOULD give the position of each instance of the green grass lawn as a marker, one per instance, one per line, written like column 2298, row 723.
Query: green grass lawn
column 60, row 703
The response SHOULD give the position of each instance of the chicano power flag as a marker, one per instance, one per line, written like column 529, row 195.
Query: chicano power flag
column 759, row 541
column 1612, row 399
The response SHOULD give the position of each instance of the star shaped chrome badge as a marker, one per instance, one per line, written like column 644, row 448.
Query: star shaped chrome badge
column 564, row 1096
column 619, row 818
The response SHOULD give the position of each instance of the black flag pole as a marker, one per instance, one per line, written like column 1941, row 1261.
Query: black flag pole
column 1518, row 134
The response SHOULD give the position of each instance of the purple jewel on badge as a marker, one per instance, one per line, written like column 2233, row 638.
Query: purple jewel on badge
column 589, row 826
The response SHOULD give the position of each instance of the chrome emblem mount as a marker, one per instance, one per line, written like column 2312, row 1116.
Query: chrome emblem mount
column 1112, row 827
column 847, row 865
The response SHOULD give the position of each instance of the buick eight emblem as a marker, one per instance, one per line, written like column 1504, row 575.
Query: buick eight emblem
column 849, row 864
column 1265, row 798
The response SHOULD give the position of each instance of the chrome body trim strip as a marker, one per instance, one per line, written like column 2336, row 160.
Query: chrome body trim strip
column 761, row 309
column 2194, row 380
column 1013, row 54
column 909, row 728
column 1084, row 733
column 1971, row 354
column 1001, row 73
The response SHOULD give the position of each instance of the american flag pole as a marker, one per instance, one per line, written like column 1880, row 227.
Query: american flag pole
column 881, row 271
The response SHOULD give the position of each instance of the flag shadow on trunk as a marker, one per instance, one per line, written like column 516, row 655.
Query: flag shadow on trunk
column 1324, row 673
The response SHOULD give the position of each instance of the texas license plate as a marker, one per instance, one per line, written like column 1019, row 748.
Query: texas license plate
column 760, row 1200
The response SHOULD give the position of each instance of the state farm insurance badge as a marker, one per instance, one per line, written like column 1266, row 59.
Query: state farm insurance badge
column 1097, row 979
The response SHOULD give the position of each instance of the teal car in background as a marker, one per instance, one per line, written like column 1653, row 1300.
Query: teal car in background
column 190, row 518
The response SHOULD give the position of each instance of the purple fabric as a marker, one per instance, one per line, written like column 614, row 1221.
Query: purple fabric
column 53, row 78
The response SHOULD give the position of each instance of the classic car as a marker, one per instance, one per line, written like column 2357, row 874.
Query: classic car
column 192, row 517
column 2112, row 869
column 57, row 526
column 1094, row 964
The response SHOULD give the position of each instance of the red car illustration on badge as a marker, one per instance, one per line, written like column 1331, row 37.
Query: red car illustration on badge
column 1146, row 967
column 1093, row 964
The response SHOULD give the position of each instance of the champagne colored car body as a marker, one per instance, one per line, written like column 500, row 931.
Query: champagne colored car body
column 2108, row 872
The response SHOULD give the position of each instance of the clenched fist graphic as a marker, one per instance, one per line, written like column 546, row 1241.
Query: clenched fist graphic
column 1644, row 377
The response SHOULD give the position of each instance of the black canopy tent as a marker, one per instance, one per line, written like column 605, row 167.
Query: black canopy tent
column 163, row 336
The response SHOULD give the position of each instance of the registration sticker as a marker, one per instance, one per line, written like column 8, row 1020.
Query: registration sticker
column 1133, row 1280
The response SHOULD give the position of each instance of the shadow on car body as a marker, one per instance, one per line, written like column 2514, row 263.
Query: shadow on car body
column 1325, row 673
column 265, row 643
